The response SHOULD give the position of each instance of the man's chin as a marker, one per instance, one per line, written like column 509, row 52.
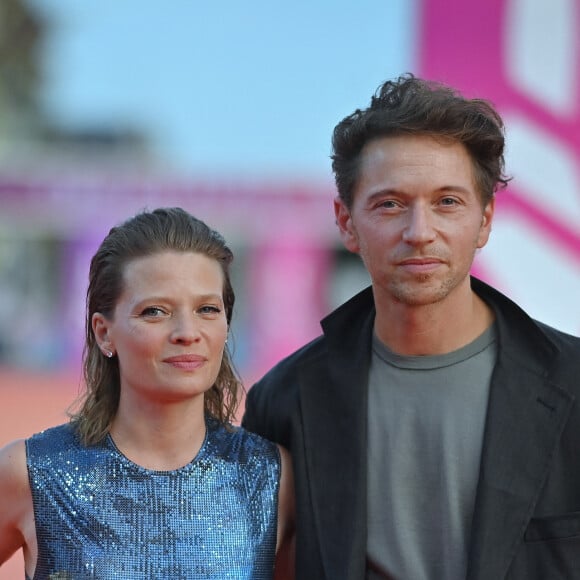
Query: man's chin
column 421, row 292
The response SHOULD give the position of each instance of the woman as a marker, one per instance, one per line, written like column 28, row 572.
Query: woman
column 149, row 479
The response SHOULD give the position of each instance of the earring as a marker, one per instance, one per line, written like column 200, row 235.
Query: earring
column 108, row 354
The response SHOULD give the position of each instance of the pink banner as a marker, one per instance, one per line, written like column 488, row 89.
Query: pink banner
column 523, row 55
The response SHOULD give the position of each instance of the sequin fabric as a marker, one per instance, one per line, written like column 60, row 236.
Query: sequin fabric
column 98, row 515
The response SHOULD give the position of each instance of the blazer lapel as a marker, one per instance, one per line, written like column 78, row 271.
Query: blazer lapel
column 526, row 416
column 335, row 416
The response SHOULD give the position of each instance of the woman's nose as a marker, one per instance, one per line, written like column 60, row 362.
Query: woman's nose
column 186, row 330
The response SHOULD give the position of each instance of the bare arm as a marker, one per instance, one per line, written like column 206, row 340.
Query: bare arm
column 285, row 543
column 16, row 513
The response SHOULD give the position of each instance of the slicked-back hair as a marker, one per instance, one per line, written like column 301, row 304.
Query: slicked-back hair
column 146, row 234
column 413, row 106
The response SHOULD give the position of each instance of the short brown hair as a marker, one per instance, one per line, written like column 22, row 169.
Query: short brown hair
column 412, row 106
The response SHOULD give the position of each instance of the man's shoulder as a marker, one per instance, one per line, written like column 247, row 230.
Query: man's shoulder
column 566, row 343
column 272, row 403
column 533, row 343
column 341, row 327
column 285, row 370
column 514, row 317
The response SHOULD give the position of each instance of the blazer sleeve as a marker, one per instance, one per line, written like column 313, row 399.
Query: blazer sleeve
column 270, row 406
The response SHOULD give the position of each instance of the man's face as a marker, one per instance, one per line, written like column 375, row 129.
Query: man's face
column 416, row 219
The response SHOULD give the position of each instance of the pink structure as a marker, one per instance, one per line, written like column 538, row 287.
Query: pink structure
column 523, row 55
column 283, row 236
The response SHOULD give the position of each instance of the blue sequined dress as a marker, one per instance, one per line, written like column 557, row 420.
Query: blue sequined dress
column 99, row 515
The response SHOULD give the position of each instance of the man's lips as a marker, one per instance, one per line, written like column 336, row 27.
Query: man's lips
column 186, row 361
column 420, row 264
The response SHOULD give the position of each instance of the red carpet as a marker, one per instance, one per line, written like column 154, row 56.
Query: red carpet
column 30, row 402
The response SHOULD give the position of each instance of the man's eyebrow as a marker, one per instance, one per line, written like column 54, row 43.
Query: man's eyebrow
column 399, row 192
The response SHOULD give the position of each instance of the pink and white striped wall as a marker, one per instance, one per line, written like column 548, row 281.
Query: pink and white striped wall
column 523, row 55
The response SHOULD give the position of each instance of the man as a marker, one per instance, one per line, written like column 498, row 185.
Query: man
column 434, row 427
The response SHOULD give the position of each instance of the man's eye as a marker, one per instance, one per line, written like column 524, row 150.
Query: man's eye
column 448, row 201
column 389, row 204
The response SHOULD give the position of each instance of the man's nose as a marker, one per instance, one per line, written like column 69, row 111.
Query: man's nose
column 419, row 227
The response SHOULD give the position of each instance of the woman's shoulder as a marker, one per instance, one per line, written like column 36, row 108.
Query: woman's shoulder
column 61, row 435
column 15, row 515
column 245, row 445
column 13, row 451
column 13, row 472
column 14, row 457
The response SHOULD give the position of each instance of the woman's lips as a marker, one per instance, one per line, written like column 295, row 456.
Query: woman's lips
column 186, row 361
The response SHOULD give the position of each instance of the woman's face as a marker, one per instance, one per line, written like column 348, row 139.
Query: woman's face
column 169, row 326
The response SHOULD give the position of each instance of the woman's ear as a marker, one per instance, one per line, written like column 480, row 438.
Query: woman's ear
column 101, row 329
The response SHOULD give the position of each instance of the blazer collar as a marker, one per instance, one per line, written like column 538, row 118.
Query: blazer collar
column 527, row 412
column 335, row 417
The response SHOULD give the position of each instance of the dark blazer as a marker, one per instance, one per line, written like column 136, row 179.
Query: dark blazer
column 526, row 524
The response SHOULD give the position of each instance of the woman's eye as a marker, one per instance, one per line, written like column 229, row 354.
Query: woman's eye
column 153, row 312
column 210, row 310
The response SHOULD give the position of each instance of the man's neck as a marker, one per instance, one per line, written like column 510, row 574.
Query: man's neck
column 432, row 329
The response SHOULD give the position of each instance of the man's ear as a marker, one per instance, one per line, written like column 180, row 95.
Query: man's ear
column 346, row 228
column 486, row 221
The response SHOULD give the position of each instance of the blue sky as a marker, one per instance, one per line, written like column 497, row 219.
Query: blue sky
column 250, row 88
